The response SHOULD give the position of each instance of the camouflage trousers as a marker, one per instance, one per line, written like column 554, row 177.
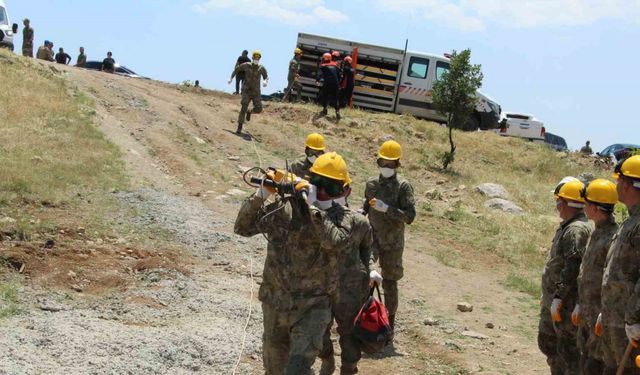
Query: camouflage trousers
column 345, row 307
column 557, row 340
column 292, row 340
column 293, row 85
column 27, row 51
column 590, row 352
column 614, row 344
column 244, row 106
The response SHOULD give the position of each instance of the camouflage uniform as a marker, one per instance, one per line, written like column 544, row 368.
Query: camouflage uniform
column 388, row 231
column 27, row 41
column 44, row 53
column 250, row 88
column 557, row 340
column 621, row 288
column 353, row 287
column 292, row 79
column 589, row 287
column 301, row 167
column 82, row 60
column 299, row 276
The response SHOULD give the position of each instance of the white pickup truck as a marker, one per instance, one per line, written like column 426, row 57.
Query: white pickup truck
column 521, row 125
column 389, row 79
column 6, row 31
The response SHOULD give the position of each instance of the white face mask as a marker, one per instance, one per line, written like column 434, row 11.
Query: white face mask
column 255, row 61
column 312, row 159
column 387, row 172
column 325, row 205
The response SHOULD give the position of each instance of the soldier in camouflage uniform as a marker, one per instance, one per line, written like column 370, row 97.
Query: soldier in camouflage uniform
column 600, row 196
column 27, row 39
column 313, row 147
column 300, row 271
column 620, row 317
column 253, row 72
column 293, row 79
column 556, row 333
column 390, row 205
column 45, row 51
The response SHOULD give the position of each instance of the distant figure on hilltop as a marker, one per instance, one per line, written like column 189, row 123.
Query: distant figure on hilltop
column 586, row 149
column 244, row 58
column 45, row 51
column 109, row 64
column 27, row 38
column 82, row 59
column 254, row 73
column 62, row 57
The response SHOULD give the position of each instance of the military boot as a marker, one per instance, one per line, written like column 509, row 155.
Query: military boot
column 323, row 112
column 338, row 117
column 328, row 366
column 239, row 129
column 248, row 115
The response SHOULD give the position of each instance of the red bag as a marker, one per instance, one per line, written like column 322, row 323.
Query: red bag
column 371, row 325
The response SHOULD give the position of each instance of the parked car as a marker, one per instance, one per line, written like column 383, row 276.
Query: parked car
column 7, row 31
column 522, row 126
column 121, row 70
column 618, row 151
column 555, row 141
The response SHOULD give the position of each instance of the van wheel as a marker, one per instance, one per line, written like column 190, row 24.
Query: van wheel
column 472, row 124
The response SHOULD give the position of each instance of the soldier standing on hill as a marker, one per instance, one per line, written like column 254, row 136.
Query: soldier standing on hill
column 82, row 59
column 620, row 317
column 293, row 79
column 45, row 52
column 601, row 197
column 556, row 333
column 27, row 38
column 390, row 205
column 251, row 88
column 586, row 149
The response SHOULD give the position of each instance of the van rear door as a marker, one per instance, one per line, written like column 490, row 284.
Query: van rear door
column 414, row 93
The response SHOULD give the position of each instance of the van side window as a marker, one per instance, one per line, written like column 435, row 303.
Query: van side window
column 418, row 67
column 441, row 67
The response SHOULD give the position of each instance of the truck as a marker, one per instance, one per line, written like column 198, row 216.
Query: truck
column 517, row 124
column 390, row 79
column 6, row 31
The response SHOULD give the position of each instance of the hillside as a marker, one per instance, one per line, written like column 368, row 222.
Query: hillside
column 117, row 202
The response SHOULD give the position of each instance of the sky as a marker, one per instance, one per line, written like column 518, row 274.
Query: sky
column 571, row 63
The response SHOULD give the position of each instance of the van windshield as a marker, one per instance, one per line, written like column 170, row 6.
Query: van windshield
column 3, row 17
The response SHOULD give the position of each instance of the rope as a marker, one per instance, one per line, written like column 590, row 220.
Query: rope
column 246, row 324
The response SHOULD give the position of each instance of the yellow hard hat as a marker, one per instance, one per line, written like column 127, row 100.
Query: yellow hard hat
column 628, row 168
column 390, row 150
column 570, row 190
column 315, row 141
column 297, row 51
column 600, row 191
column 333, row 166
column 256, row 54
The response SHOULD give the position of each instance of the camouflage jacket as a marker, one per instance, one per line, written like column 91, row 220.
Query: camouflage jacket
column 301, row 254
column 294, row 69
column 592, row 268
column 388, row 227
column 301, row 167
column 560, row 275
column 82, row 60
column 252, row 74
column 27, row 37
column 621, row 280
column 44, row 53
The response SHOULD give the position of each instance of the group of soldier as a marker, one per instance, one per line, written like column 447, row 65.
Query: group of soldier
column 320, row 254
column 335, row 78
column 590, row 305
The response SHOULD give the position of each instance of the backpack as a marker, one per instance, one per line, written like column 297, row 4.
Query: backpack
column 371, row 325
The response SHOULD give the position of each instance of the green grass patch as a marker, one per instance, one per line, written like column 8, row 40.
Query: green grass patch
column 524, row 284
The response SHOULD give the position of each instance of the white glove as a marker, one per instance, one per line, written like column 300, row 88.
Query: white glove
column 265, row 83
column 556, row 305
column 264, row 193
column 229, row 82
column 633, row 331
column 375, row 277
column 378, row 205
column 312, row 197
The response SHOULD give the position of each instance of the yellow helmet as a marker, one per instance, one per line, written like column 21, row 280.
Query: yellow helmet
column 256, row 54
column 333, row 166
column 628, row 168
column 390, row 150
column 297, row 51
column 600, row 191
column 315, row 141
column 571, row 191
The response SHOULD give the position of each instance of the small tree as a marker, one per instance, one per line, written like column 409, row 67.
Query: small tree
column 454, row 96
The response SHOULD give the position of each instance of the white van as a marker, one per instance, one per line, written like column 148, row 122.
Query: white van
column 520, row 125
column 7, row 31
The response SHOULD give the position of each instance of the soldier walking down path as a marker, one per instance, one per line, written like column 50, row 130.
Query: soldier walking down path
column 253, row 72
column 556, row 333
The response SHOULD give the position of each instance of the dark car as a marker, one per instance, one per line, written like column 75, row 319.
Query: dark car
column 618, row 150
column 121, row 70
column 555, row 141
